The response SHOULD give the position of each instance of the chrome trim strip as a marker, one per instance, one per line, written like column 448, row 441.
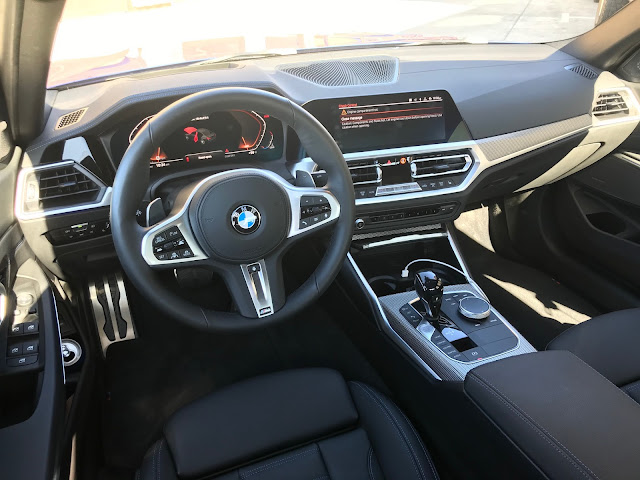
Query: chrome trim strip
column 467, row 165
column 386, row 326
column 21, row 214
column 403, row 239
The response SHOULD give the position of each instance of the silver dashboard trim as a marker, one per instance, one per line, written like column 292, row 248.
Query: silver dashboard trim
column 21, row 214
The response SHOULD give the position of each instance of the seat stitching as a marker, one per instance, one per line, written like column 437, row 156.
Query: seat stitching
column 530, row 423
column 153, row 460
column 569, row 452
column 400, row 428
column 424, row 450
column 160, row 459
column 276, row 463
column 408, row 448
column 371, row 475
column 633, row 386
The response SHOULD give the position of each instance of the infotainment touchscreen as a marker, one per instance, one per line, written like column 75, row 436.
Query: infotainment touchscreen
column 387, row 121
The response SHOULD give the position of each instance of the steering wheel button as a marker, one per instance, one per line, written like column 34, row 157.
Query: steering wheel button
column 173, row 232
column 186, row 253
column 174, row 255
column 159, row 239
column 253, row 268
column 304, row 223
column 162, row 256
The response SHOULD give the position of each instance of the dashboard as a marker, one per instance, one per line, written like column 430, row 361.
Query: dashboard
column 451, row 125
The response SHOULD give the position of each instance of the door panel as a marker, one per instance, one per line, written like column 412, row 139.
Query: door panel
column 31, row 372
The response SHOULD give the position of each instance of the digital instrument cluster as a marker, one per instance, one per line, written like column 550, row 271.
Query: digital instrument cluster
column 218, row 135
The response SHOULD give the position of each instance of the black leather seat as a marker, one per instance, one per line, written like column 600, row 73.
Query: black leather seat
column 610, row 344
column 300, row 424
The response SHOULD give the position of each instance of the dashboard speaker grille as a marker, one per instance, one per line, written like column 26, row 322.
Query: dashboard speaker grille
column 59, row 187
column 610, row 104
column 343, row 72
column 582, row 70
column 69, row 119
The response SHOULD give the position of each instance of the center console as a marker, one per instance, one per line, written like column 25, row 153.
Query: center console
column 430, row 306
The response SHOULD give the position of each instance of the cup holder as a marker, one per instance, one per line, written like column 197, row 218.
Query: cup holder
column 607, row 222
column 395, row 283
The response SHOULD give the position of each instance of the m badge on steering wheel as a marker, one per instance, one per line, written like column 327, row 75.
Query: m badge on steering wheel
column 245, row 219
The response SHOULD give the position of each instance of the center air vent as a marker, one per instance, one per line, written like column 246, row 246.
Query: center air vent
column 440, row 164
column 609, row 104
column 365, row 172
column 59, row 186
column 347, row 71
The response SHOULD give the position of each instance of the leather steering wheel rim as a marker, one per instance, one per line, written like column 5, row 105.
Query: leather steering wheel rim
column 132, row 179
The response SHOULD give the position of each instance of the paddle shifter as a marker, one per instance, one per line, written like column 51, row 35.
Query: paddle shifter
column 429, row 288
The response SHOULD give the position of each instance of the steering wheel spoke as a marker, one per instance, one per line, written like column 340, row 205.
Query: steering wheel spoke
column 257, row 287
column 171, row 243
column 311, row 210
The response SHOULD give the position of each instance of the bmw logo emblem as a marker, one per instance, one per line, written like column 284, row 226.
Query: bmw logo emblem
column 245, row 219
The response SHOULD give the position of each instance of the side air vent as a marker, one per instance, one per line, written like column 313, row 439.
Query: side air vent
column 440, row 164
column 609, row 104
column 365, row 172
column 69, row 119
column 344, row 72
column 582, row 70
column 59, row 186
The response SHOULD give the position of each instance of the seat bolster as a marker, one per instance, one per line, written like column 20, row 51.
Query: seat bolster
column 258, row 417
column 608, row 343
column 397, row 446
column 157, row 463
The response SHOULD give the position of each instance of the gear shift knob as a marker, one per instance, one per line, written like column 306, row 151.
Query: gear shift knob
column 429, row 288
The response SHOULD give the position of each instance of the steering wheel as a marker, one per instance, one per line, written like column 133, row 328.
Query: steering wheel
column 238, row 223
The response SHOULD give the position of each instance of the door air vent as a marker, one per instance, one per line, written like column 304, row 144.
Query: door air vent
column 347, row 71
column 609, row 104
column 69, row 119
column 365, row 172
column 440, row 164
column 582, row 70
column 59, row 186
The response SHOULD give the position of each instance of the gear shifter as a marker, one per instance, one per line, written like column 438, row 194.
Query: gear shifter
column 429, row 288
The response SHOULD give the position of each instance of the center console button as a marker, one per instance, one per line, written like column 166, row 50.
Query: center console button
column 491, row 334
column 474, row 308
column 476, row 353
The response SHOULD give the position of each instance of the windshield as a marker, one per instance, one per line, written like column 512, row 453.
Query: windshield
column 99, row 38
